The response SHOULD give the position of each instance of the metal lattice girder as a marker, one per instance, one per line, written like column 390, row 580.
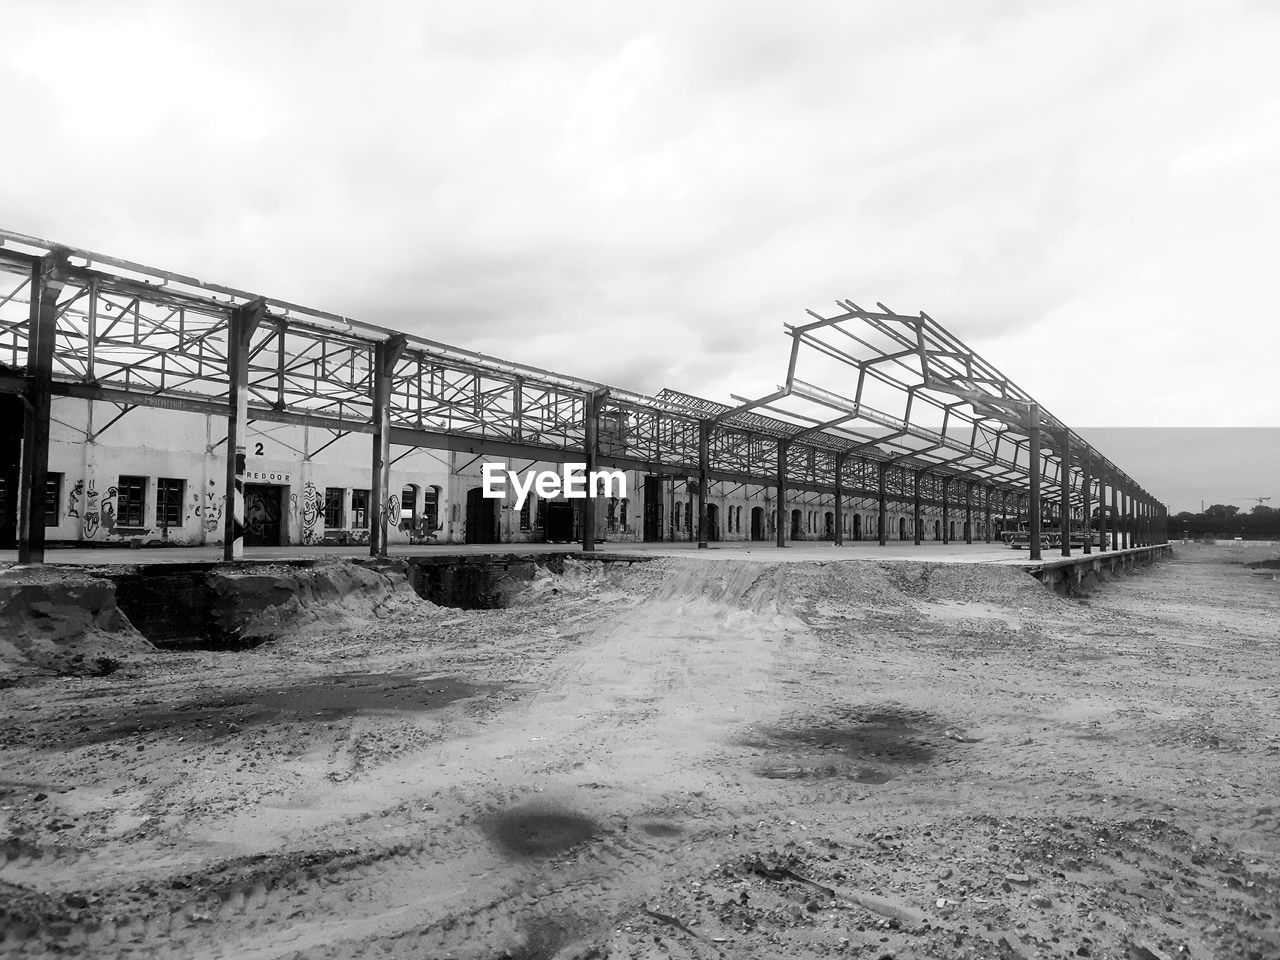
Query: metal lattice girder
column 895, row 387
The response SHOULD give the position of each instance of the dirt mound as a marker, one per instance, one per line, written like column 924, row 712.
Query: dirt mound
column 62, row 621
column 797, row 587
column 251, row 606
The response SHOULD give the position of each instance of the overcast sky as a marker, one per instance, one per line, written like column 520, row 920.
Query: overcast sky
column 643, row 194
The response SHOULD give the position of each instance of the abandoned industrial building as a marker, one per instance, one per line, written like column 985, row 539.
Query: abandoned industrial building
column 136, row 398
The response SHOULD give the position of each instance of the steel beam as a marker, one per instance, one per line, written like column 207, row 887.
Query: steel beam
column 840, row 459
column 1086, row 495
column 385, row 355
column 33, row 474
column 946, row 510
column 704, row 470
column 915, row 511
column 784, row 447
column 1033, row 500
column 591, row 453
column 243, row 322
column 968, row 511
column 884, row 506
column 1064, row 495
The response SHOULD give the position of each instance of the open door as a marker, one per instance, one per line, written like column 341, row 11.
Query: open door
column 482, row 517
column 652, row 509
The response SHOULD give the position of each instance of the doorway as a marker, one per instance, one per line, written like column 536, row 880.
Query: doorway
column 262, row 513
column 757, row 523
column 829, row 526
column 652, row 509
column 482, row 517
column 795, row 525
column 857, row 526
column 902, row 528
column 559, row 521
column 713, row 522
column 11, row 425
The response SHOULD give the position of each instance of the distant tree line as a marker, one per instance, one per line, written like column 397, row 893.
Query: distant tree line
column 1225, row 520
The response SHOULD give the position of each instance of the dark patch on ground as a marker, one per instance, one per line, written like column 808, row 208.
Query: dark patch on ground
column 831, row 771
column 660, row 829
column 544, row 939
column 315, row 701
column 887, row 735
column 1264, row 564
column 535, row 832
column 863, row 746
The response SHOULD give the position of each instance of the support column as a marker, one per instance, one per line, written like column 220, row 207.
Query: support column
column 783, row 447
column 704, row 468
column 1102, row 511
column 241, row 325
column 915, row 510
column 1033, row 501
column 1086, row 495
column 385, row 355
column 883, row 518
column 840, row 457
column 47, row 281
column 1126, row 528
column 1064, row 495
column 986, row 499
column 590, row 452
column 1115, row 517
column 946, row 510
column 968, row 511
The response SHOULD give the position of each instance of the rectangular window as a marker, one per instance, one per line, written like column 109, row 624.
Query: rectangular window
column 130, row 501
column 169, row 494
column 52, row 497
column 333, row 503
column 525, row 513
column 359, row 509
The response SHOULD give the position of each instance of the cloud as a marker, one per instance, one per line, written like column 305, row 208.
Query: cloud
column 644, row 195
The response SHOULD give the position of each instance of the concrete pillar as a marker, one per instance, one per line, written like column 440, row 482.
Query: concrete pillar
column 986, row 523
column 47, row 280
column 385, row 355
column 243, row 322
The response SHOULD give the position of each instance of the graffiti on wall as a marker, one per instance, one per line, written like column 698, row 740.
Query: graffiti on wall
column 391, row 511
column 73, row 499
column 89, row 522
column 309, row 512
column 109, row 510
column 210, row 511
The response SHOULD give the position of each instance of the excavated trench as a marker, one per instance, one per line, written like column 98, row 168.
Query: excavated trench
column 219, row 606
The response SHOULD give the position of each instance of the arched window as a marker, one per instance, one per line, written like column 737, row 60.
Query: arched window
column 431, row 508
column 623, row 515
column 679, row 507
column 409, row 506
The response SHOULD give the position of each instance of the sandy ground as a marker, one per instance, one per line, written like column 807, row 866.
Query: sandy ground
column 678, row 759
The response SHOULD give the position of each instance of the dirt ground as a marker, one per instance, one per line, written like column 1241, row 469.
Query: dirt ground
column 680, row 758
